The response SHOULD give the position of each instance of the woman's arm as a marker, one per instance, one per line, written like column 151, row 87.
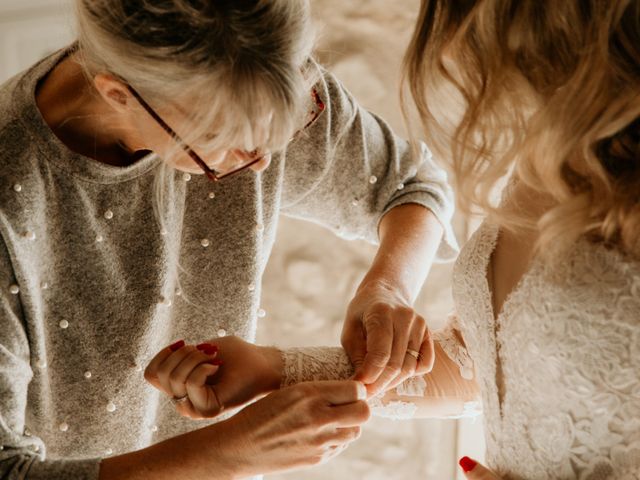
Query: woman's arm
column 352, row 174
column 247, row 371
column 22, row 455
column 292, row 428
column 348, row 170
column 442, row 393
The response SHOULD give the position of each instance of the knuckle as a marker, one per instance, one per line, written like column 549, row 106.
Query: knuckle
column 149, row 375
column 311, row 413
column 174, row 377
column 192, row 382
column 305, row 390
column 381, row 307
column 394, row 367
column 379, row 359
column 376, row 320
column 405, row 312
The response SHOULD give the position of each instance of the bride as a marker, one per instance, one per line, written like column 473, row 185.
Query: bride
column 547, row 290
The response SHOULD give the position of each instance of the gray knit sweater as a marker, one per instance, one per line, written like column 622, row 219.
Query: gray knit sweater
column 92, row 286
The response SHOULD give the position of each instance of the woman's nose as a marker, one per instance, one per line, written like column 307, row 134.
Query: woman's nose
column 245, row 157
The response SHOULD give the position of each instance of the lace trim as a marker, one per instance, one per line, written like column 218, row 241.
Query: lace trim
column 315, row 363
column 332, row 363
column 448, row 340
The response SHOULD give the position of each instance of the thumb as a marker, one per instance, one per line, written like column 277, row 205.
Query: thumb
column 354, row 343
column 476, row 471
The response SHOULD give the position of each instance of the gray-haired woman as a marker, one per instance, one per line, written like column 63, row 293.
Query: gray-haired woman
column 110, row 249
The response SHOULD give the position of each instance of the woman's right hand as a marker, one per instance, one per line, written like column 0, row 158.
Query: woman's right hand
column 291, row 428
column 299, row 426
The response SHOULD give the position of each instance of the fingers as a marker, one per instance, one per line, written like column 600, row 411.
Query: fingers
column 151, row 372
column 203, row 397
column 178, row 376
column 355, row 344
column 169, row 369
column 340, row 392
column 396, row 360
column 379, row 334
column 427, row 355
column 476, row 471
column 352, row 414
column 339, row 437
column 412, row 350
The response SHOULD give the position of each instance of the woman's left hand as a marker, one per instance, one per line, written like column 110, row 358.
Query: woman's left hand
column 476, row 471
column 383, row 335
column 216, row 375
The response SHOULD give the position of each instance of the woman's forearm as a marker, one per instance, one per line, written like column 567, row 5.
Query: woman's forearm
column 409, row 239
column 197, row 455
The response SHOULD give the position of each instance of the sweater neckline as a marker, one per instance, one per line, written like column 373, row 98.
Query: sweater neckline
column 52, row 148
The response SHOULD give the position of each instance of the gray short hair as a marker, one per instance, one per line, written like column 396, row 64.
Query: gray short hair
column 240, row 63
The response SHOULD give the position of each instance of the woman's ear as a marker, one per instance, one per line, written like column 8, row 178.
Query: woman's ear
column 113, row 91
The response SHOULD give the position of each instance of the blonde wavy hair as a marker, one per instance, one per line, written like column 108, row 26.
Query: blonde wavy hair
column 547, row 90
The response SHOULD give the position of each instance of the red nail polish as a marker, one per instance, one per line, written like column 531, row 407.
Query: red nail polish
column 217, row 362
column 177, row 346
column 210, row 351
column 467, row 464
column 202, row 346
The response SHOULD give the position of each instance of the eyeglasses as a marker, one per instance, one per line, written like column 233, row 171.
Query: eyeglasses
column 211, row 174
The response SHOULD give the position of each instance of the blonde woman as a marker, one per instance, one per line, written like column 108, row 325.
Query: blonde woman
column 113, row 245
column 547, row 290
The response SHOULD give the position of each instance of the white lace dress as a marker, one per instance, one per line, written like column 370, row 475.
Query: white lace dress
column 567, row 348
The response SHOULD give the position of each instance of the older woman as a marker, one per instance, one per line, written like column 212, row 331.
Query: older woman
column 112, row 245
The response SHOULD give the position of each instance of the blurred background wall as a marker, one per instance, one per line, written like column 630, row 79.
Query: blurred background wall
column 313, row 274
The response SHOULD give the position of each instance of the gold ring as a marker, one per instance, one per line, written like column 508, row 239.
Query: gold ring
column 413, row 353
column 178, row 400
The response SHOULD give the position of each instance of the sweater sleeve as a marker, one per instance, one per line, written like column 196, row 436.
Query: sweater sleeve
column 22, row 455
column 348, row 169
column 448, row 391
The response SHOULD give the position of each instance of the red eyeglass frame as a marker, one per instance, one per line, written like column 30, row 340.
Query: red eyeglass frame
column 209, row 172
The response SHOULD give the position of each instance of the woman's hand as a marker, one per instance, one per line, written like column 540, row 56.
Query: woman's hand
column 476, row 471
column 303, row 425
column 216, row 375
column 380, row 331
column 295, row 427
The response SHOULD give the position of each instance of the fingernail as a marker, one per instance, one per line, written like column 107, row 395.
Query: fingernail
column 210, row 350
column 202, row 346
column 217, row 362
column 467, row 464
column 362, row 391
column 176, row 346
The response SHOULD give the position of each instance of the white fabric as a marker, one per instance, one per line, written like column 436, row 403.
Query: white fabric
column 443, row 393
column 567, row 346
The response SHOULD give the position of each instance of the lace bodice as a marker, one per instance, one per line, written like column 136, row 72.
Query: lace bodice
column 568, row 344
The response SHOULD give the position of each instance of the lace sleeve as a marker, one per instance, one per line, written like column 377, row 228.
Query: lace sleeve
column 450, row 340
column 443, row 393
column 315, row 363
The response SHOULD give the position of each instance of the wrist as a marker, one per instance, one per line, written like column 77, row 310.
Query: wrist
column 379, row 283
column 275, row 368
